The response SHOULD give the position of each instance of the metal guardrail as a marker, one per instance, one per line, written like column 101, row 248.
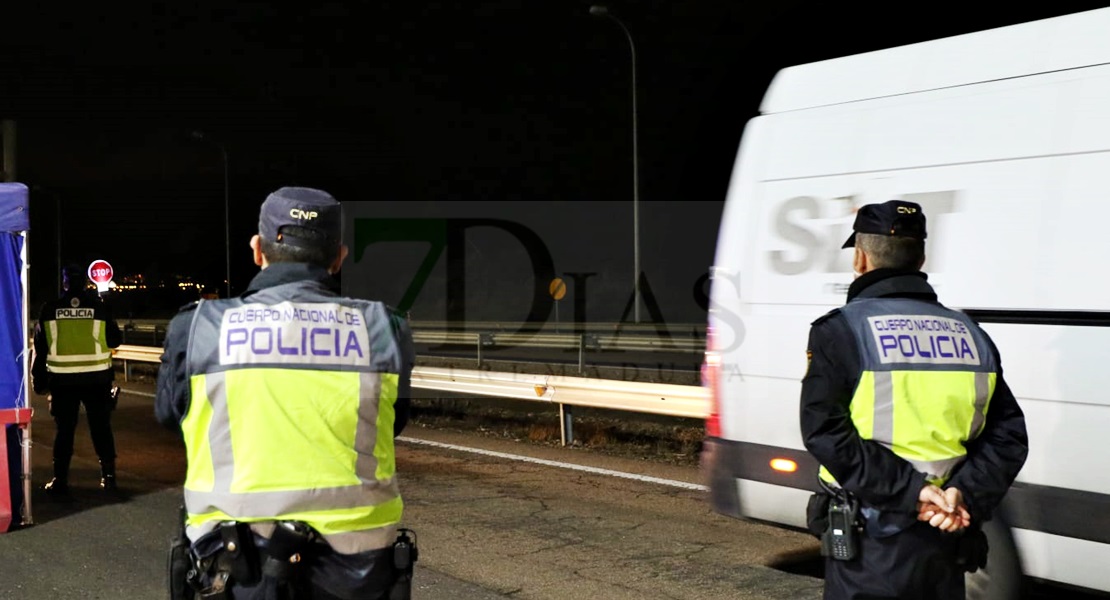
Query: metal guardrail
column 592, row 336
column 636, row 396
column 560, row 340
column 137, row 353
column 687, row 401
column 485, row 337
column 147, row 331
column 583, row 342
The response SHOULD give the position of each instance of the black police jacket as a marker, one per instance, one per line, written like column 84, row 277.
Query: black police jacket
column 41, row 379
column 870, row 471
column 171, row 401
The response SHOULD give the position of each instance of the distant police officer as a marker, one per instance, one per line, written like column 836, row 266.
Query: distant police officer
column 905, row 407
column 73, row 362
column 289, row 398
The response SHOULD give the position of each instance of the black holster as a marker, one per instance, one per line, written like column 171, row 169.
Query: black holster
column 405, row 555
column 285, row 551
column 817, row 513
column 209, row 574
column 239, row 557
column 179, row 565
column 178, row 568
column 972, row 550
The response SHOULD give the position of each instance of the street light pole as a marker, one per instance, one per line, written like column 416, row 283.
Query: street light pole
column 58, row 240
column 201, row 136
column 38, row 189
column 603, row 11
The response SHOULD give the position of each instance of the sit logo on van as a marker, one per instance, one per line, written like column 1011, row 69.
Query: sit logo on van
column 815, row 229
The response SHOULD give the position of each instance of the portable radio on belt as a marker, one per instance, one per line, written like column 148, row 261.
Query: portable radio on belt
column 841, row 539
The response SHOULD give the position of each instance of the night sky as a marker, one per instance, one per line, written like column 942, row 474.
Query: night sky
column 424, row 101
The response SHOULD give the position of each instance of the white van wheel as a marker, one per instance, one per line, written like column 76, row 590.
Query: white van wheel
column 1001, row 579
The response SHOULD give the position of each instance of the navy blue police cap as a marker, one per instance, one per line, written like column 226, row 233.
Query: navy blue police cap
column 314, row 211
column 893, row 217
column 75, row 275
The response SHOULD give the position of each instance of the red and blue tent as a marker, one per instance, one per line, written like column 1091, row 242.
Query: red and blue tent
column 15, row 356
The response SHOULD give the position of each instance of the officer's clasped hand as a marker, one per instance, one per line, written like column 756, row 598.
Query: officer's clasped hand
column 943, row 509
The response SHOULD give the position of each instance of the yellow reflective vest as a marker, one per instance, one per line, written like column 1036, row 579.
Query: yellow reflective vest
column 291, row 414
column 76, row 338
column 927, row 376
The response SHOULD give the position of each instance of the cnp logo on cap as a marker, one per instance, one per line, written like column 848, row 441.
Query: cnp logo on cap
column 304, row 208
column 298, row 213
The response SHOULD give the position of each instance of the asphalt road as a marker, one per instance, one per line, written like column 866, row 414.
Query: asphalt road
column 489, row 526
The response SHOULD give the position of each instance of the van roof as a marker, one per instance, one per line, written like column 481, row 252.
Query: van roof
column 1054, row 44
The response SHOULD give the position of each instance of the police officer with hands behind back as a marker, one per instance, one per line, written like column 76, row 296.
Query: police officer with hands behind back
column 74, row 338
column 904, row 405
column 289, row 398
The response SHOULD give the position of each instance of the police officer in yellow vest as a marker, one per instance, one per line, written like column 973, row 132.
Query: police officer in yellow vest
column 73, row 363
column 904, row 405
column 289, row 398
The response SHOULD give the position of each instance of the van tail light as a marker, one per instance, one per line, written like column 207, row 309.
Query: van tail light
column 711, row 378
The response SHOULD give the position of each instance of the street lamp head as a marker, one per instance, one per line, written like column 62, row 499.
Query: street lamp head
column 599, row 10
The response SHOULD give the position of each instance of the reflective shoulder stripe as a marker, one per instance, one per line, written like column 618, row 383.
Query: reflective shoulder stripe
column 52, row 337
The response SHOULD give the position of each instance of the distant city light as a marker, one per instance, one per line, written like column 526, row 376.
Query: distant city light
column 137, row 282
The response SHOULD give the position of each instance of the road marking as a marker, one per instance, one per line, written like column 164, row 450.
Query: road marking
column 561, row 465
column 135, row 393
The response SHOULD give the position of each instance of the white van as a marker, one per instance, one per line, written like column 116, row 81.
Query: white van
column 1003, row 136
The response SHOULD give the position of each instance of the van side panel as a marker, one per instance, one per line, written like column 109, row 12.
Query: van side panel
column 1014, row 176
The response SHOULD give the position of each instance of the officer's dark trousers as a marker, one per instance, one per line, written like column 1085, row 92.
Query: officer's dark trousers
column 918, row 563
column 65, row 406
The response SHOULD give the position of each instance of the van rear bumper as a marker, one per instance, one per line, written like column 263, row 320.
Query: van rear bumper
column 723, row 462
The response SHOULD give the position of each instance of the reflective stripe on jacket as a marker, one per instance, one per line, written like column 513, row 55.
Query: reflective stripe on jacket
column 291, row 415
column 927, row 376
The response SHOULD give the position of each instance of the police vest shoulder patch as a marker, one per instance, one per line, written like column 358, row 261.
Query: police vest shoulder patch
column 825, row 317
column 307, row 333
column 923, row 339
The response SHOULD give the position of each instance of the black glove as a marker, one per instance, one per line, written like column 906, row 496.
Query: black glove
column 971, row 554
